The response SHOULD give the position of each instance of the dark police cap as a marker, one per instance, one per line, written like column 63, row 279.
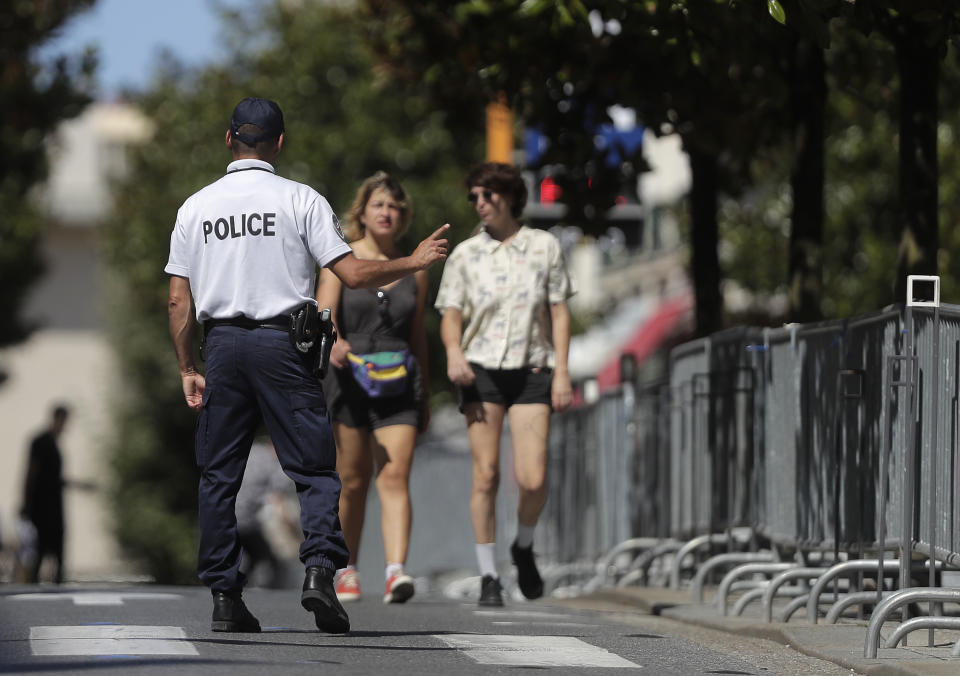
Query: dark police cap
column 262, row 113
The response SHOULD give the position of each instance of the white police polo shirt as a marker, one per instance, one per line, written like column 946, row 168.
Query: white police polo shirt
column 249, row 243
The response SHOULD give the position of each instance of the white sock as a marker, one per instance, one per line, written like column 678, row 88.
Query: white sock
column 393, row 569
column 525, row 536
column 341, row 571
column 487, row 558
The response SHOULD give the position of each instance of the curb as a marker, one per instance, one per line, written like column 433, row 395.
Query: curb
column 840, row 643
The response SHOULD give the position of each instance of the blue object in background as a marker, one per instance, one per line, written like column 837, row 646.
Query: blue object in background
column 616, row 144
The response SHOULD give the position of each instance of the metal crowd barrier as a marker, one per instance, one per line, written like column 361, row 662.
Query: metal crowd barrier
column 825, row 443
column 605, row 475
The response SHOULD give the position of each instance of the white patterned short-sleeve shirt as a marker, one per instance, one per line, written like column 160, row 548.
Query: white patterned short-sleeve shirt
column 504, row 292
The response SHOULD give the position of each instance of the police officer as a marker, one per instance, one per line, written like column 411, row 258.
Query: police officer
column 246, row 248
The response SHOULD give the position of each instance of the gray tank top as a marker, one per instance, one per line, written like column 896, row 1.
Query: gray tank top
column 374, row 320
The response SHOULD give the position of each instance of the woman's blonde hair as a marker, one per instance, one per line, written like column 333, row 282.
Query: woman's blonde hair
column 381, row 179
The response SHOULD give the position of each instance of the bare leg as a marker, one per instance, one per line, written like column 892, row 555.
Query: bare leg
column 484, row 426
column 393, row 454
column 355, row 467
column 529, row 431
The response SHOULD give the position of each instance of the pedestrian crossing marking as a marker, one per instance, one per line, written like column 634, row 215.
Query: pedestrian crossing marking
column 556, row 623
column 534, row 651
column 540, row 614
column 96, row 598
column 112, row 640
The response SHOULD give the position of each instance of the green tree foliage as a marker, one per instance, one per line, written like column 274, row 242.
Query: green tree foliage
column 883, row 166
column 35, row 96
column 686, row 67
column 863, row 221
column 781, row 135
column 920, row 33
column 343, row 123
column 541, row 56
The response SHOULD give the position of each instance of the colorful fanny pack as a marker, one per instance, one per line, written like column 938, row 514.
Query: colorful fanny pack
column 381, row 374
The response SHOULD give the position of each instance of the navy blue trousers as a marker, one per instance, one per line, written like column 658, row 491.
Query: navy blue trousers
column 254, row 374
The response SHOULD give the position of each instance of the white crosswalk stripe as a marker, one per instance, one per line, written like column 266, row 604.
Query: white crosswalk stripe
column 96, row 598
column 558, row 624
column 109, row 639
column 534, row 651
column 510, row 612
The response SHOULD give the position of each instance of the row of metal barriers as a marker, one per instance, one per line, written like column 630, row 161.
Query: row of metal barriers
column 813, row 462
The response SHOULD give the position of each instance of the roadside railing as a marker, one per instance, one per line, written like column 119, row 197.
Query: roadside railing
column 830, row 445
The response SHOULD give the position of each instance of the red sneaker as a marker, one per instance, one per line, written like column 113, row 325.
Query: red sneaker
column 348, row 585
column 399, row 588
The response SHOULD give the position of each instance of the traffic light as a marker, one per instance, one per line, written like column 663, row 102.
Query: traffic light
column 596, row 193
column 550, row 190
column 546, row 207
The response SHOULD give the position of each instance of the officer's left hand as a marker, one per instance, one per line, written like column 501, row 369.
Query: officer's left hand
column 193, row 386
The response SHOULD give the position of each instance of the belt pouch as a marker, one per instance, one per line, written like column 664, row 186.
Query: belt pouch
column 304, row 328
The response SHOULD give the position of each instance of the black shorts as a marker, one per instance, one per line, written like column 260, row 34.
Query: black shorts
column 350, row 405
column 508, row 386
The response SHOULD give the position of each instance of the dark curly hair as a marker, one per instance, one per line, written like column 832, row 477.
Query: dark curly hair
column 503, row 179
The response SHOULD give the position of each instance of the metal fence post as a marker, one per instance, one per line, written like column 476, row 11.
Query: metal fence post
column 934, row 389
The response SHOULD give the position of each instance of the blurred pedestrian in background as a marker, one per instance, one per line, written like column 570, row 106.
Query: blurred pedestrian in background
column 244, row 250
column 41, row 529
column 506, row 330
column 264, row 515
column 377, row 388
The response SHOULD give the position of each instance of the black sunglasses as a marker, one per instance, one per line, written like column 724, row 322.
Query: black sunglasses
column 472, row 197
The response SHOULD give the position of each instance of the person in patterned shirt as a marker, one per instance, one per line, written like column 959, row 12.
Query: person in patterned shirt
column 506, row 331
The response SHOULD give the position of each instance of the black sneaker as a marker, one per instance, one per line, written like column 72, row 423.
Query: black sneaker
column 320, row 598
column 231, row 614
column 531, row 584
column 490, row 591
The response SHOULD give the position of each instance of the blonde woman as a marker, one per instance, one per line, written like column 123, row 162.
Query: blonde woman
column 376, row 422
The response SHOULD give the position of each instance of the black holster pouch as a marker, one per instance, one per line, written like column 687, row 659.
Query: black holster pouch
column 312, row 334
column 328, row 336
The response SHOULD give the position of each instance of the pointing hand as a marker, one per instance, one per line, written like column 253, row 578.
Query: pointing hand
column 432, row 249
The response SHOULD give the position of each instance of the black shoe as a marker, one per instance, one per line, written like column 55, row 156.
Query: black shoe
column 320, row 598
column 230, row 614
column 490, row 591
column 531, row 584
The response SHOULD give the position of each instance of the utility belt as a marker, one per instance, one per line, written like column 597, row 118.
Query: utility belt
column 280, row 323
column 311, row 332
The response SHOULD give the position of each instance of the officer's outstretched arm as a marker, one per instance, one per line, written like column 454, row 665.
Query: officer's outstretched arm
column 180, row 311
column 362, row 273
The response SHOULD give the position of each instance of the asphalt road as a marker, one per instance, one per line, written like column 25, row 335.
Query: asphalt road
column 166, row 630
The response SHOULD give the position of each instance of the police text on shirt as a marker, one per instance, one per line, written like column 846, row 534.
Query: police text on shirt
column 250, row 224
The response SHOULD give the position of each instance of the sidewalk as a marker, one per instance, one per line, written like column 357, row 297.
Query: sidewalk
column 841, row 643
